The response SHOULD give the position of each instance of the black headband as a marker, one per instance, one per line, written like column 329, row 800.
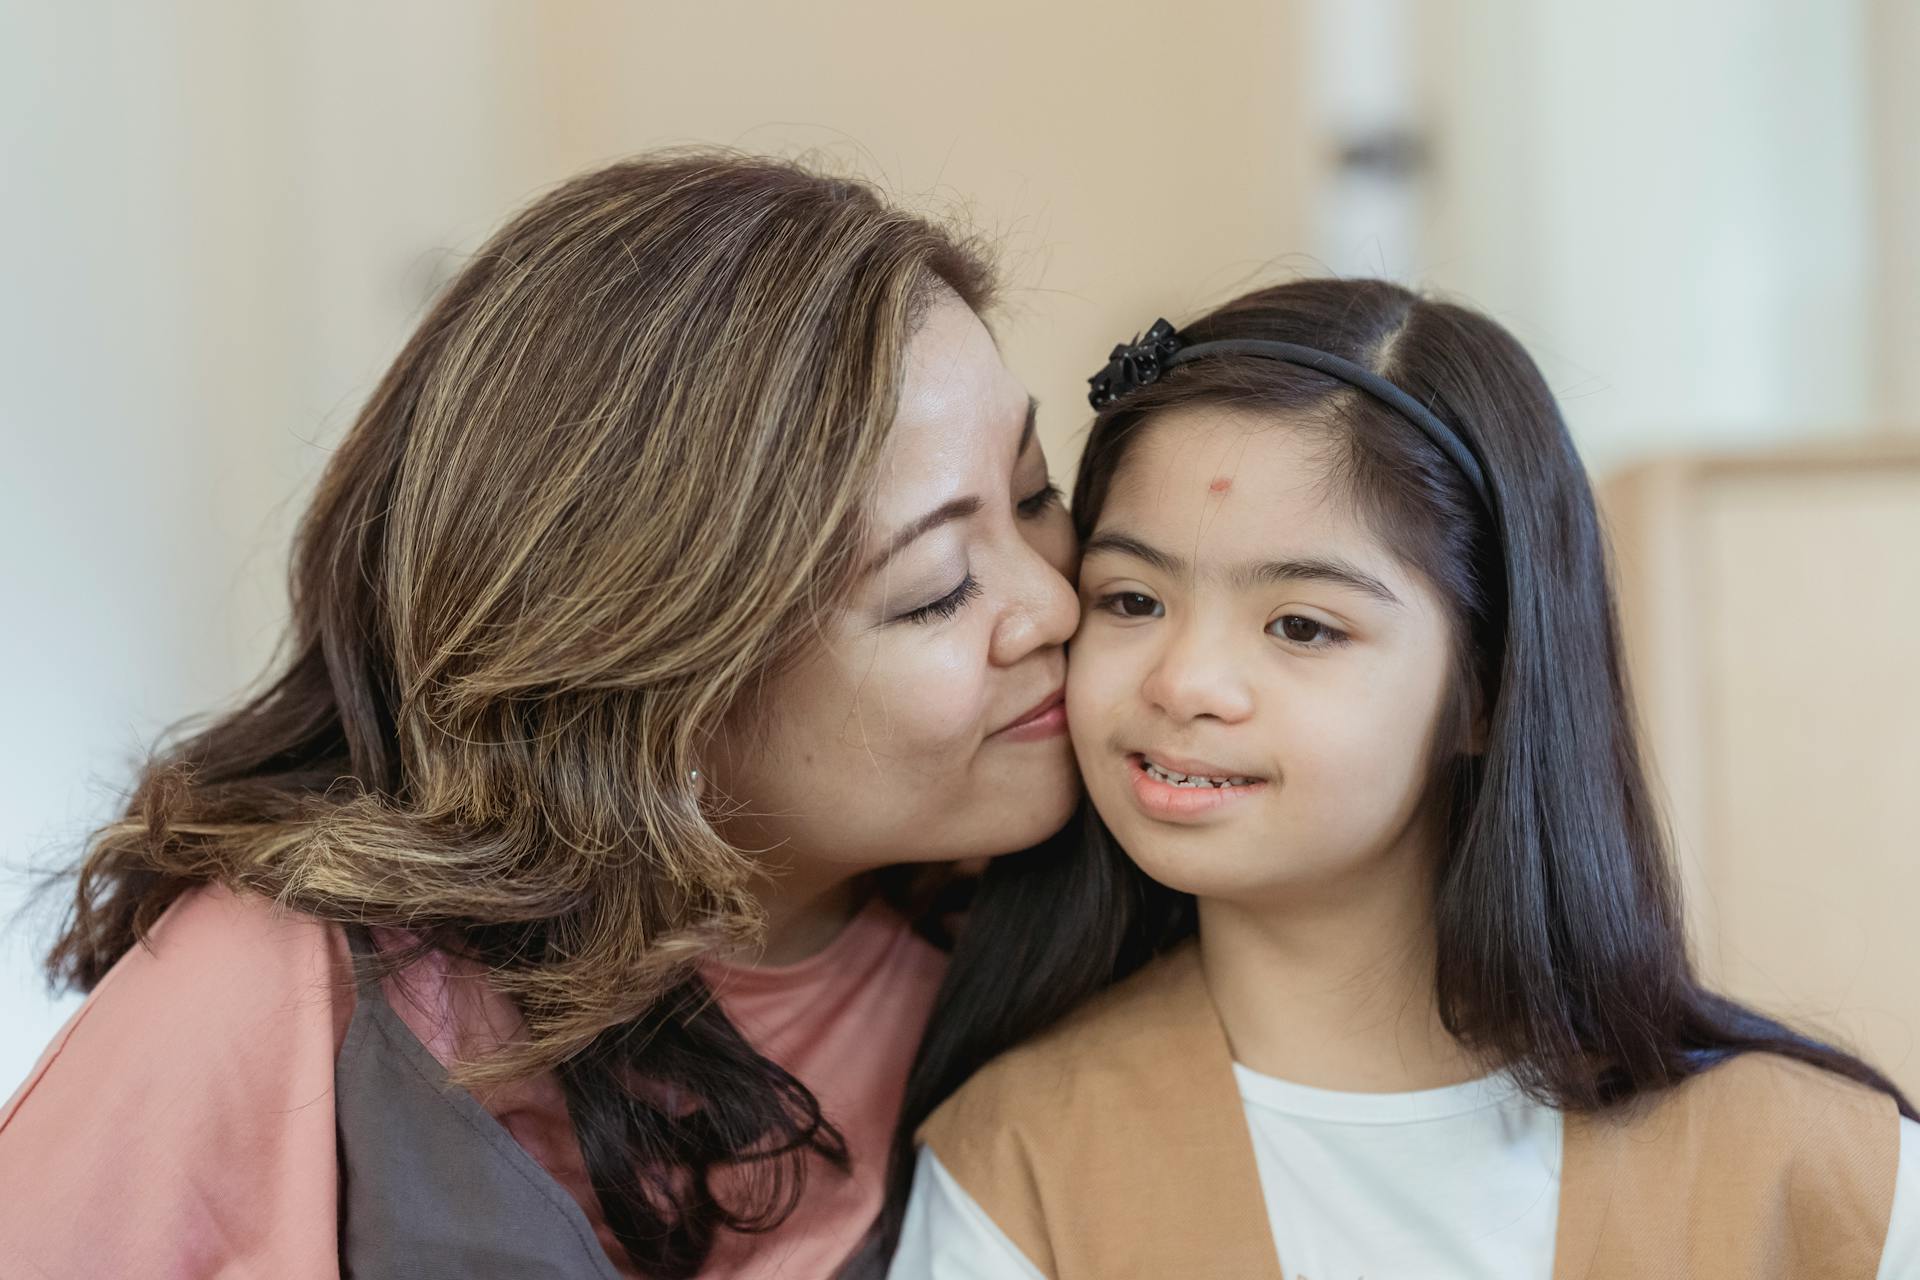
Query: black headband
column 1135, row 364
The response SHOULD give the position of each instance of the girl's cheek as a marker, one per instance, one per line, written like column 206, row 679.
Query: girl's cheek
column 1366, row 756
column 1087, row 680
column 1106, row 666
column 1080, row 632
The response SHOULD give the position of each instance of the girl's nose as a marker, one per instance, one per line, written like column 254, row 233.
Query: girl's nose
column 1195, row 677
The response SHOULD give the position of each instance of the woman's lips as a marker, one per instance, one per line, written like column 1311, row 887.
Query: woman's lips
column 1046, row 720
column 1158, row 798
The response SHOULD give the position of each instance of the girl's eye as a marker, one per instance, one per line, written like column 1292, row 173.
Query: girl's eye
column 1306, row 632
column 1130, row 604
column 1036, row 504
column 947, row 605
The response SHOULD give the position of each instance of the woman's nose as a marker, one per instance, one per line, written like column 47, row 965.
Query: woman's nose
column 1043, row 611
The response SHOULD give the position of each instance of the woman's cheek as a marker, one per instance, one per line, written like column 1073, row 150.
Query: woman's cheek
column 950, row 710
column 928, row 699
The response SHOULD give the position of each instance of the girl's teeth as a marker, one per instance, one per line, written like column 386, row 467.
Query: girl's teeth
column 1174, row 778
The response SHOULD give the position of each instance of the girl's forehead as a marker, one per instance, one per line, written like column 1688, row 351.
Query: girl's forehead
column 1228, row 484
column 1227, row 461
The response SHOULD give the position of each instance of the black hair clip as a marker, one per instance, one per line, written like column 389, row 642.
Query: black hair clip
column 1133, row 365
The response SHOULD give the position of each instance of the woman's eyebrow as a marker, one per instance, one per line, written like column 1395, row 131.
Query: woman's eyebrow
column 1249, row 573
column 945, row 513
column 956, row 509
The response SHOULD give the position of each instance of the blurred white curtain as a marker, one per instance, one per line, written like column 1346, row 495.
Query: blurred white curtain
column 215, row 237
column 1674, row 204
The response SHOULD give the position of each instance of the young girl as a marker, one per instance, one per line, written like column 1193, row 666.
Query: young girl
column 1415, row 997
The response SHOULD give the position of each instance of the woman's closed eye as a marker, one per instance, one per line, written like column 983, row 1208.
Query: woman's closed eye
column 946, row 606
column 1030, row 507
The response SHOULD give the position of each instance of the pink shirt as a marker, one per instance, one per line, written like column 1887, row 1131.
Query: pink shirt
column 181, row 1124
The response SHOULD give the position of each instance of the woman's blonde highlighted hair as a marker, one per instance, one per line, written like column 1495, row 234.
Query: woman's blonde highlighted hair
column 605, row 488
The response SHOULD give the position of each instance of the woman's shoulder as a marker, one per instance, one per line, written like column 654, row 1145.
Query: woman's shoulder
column 185, row 1112
column 243, row 943
column 232, row 957
column 216, row 965
column 222, row 980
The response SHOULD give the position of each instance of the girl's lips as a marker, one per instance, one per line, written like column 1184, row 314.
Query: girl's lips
column 1048, row 720
column 1169, row 803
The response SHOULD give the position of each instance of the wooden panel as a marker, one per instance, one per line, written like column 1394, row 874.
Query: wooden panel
column 1772, row 609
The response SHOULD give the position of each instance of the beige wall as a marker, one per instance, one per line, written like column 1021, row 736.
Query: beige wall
column 1128, row 163
column 1771, row 602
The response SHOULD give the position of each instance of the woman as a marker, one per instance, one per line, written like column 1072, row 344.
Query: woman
column 695, row 560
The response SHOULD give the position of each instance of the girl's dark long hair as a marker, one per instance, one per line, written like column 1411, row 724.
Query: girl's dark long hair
column 606, row 487
column 1562, row 949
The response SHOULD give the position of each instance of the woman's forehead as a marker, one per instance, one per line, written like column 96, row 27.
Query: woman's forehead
column 961, row 420
column 955, row 385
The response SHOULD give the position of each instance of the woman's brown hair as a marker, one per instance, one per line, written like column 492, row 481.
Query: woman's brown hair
column 605, row 488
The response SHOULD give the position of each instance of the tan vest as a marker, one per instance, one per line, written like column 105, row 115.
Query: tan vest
column 1116, row 1146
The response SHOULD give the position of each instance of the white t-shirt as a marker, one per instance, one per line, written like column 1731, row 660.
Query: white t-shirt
column 1461, row 1183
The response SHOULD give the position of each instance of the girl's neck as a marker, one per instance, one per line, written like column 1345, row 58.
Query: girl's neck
column 1334, row 987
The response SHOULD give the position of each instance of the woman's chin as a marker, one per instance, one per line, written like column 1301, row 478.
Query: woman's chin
column 1020, row 809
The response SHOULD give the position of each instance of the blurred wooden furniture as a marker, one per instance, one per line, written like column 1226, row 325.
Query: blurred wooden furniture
column 1771, row 606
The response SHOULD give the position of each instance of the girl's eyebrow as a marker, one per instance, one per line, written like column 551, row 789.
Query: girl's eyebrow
column 1249, row 573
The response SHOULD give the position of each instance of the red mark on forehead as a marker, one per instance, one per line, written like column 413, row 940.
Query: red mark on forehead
column 1220, row 484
